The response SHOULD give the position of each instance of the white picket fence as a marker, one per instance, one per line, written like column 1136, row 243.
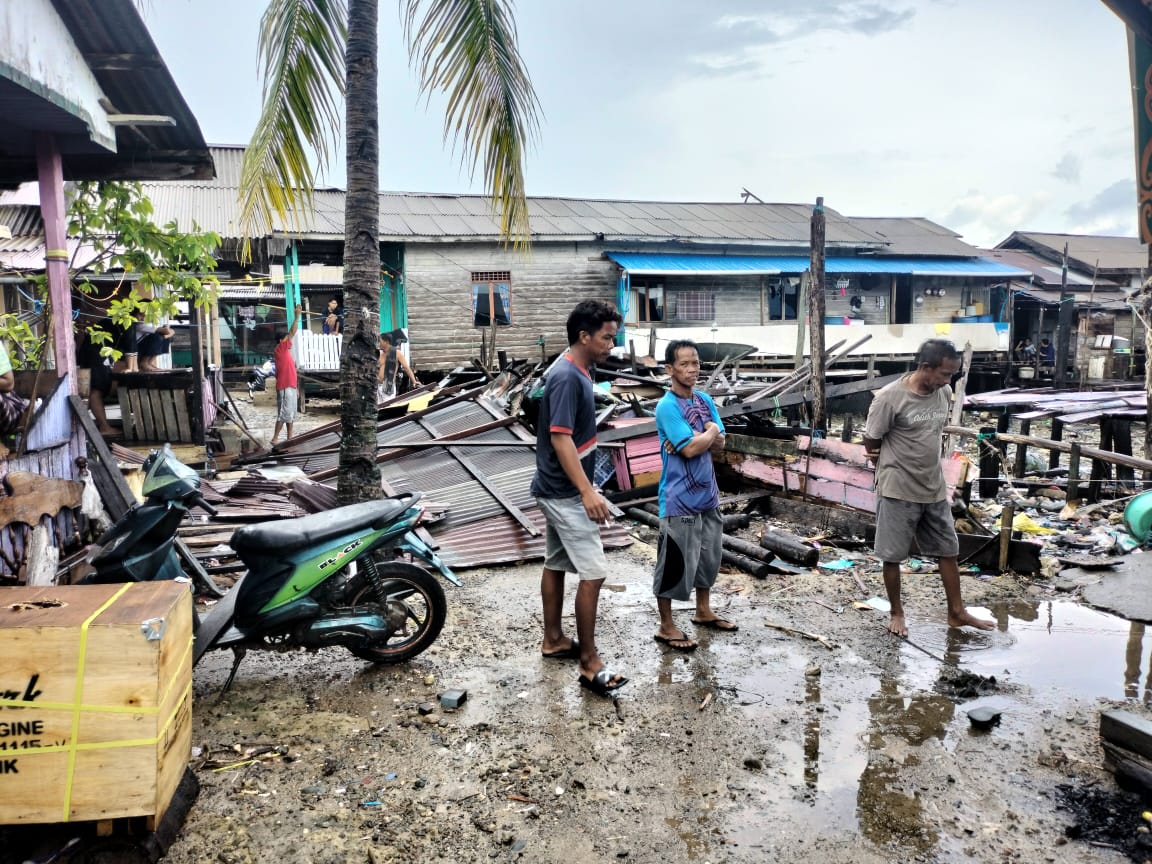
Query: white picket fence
column 317, row 352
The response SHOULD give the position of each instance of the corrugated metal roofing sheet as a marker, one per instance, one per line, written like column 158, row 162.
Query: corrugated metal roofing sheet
column 1113, row 253
column 687, row 264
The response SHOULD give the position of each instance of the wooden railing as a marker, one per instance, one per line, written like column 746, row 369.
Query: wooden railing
column 317, row 352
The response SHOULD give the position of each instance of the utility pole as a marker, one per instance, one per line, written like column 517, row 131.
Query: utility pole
column 816, row 320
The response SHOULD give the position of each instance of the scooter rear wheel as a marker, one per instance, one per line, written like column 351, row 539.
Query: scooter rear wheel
column 416, row 596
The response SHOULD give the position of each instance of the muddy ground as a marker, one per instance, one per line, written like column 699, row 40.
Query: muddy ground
column 763, row 745
column 760, row 746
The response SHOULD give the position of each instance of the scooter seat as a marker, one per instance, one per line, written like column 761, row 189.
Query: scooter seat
column 288, row 535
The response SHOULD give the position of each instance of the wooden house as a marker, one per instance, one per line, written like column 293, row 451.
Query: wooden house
column 1099, row 274
column 85, row 96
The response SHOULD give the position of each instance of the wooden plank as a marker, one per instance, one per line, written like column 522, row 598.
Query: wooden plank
column 755, row 445
column 1128, row 730
column 127, row 416
column 841, row 451
column 168, row 410
column 183, row 420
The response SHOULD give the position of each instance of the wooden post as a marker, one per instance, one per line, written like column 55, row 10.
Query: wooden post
column 197, row 413
column 1122, row 443
column 958, row 397
column 1101, row 471
column 217, row 352
column 1074, row 473
column 1006, row 516
column 50, row 168
column 1021, row 466
column 989, row 463
column 801, row 311
column 816, row 308
column 1057, row 434
column 849, row 429
column 1067, row 311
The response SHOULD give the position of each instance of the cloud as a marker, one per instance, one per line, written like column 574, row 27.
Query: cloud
column 819, row 16
column 986, row 220
column 1110, row 211
column 1068, row 168
column 739, row 39
column 1120, row 195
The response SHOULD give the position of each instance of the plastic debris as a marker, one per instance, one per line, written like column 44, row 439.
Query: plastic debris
column 839, row 564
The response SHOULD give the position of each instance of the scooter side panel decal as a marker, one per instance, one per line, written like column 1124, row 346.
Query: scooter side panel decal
column 311, row 567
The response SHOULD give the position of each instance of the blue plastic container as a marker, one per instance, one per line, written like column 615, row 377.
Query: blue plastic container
column 984, row 319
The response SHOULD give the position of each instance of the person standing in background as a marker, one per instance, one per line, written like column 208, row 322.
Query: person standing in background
column 287, row 394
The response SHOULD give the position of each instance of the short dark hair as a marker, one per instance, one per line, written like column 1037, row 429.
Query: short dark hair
column 674, row 346
column 281, row 335
column 1044, row 341
column 589, row 316
column 935, row 352
column 386, row 337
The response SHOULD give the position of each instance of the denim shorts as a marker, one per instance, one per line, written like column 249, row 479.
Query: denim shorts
column 572, row 540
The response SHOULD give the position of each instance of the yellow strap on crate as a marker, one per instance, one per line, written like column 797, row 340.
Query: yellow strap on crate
column 79, row 694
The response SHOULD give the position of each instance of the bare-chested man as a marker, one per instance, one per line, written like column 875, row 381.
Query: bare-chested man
column 902, row 437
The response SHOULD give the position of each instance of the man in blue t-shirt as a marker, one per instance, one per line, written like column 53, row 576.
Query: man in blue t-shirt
column 691, row 527
column 573, row 507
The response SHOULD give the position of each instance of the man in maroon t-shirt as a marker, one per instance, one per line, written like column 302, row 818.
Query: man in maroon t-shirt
column 286, row 394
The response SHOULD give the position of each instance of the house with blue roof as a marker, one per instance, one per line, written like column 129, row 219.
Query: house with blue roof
column 711, row 271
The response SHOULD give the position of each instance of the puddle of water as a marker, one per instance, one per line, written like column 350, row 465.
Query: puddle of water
column 837, row 765
column 1064, row 646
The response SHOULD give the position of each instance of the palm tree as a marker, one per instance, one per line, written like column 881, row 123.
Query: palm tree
column 315, row 51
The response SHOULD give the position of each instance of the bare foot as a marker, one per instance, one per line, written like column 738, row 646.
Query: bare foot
column 966, row 619
column 897, row 626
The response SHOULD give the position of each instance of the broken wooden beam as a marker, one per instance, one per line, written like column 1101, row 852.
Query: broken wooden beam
column 790, row 548
column 751, row 566
column 1127, row 742
column 741, row 408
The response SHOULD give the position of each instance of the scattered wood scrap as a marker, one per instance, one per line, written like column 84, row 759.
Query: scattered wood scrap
column 815, row 637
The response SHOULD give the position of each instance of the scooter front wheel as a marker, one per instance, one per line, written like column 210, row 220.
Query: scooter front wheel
column 416, row 607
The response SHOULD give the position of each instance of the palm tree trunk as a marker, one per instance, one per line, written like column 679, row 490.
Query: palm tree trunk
column 359, row 474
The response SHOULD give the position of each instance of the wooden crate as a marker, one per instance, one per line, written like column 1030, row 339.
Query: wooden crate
column 96, row 696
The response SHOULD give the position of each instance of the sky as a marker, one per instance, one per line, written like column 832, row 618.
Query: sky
column 986, row 116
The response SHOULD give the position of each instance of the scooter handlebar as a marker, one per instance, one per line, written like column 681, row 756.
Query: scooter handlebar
column 199, row 501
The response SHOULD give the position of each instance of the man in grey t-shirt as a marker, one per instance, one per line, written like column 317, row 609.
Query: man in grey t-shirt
column 902, row 437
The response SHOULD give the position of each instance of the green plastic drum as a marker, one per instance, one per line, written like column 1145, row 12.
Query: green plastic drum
column 1138, row 516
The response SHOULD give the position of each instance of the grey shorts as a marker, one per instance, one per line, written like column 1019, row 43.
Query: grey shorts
column 899, row 522
column 688, row 555
column 572, row 540
column 286, row 405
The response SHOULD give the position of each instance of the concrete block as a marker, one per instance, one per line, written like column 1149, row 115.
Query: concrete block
column 453, row 698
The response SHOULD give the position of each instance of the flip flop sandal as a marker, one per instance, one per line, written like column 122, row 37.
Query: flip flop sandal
column 572, row 652
column 686, row 645
column 717, row 624
column 602, row 682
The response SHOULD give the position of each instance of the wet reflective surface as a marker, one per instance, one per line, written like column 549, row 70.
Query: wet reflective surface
column 855, row 734
column 1064, row 646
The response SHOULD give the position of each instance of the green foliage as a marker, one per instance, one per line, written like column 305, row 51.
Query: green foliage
column 302, row 55
column 163, row 262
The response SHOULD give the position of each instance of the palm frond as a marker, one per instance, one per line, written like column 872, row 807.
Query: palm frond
column 467, row 50
column 302, row 57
